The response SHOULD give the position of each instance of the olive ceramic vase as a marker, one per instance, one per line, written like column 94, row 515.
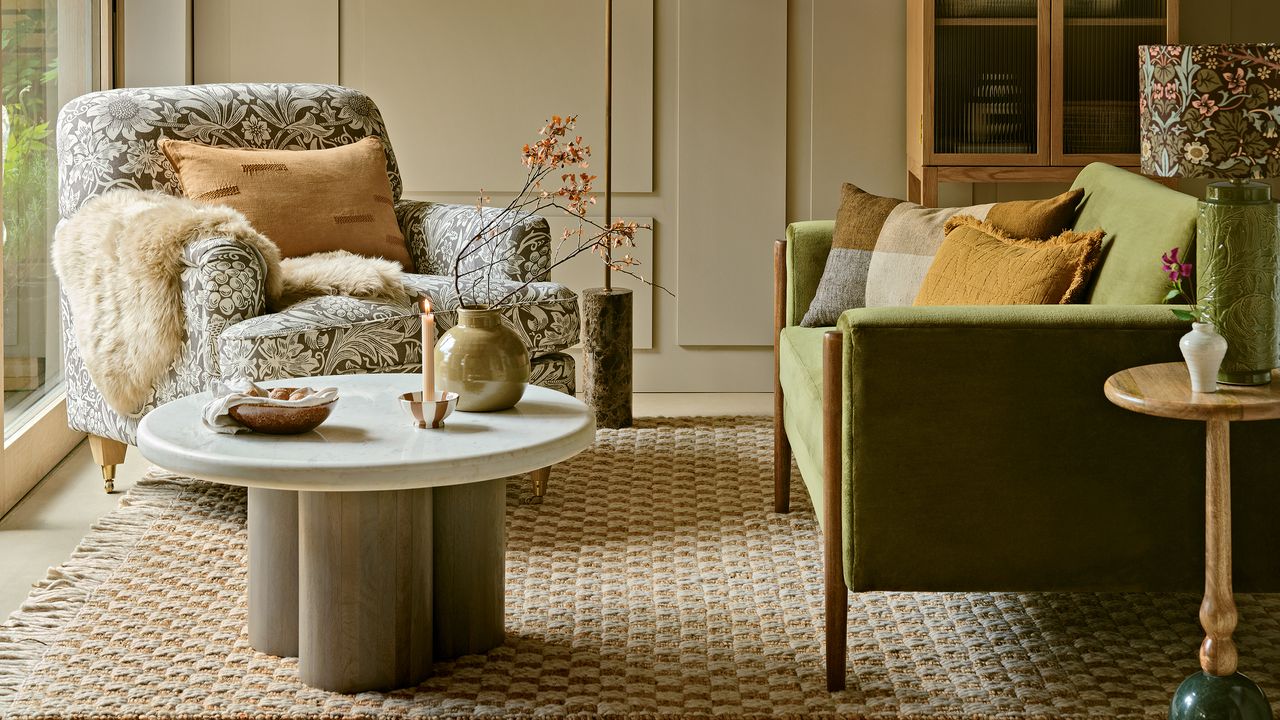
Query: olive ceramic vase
column 1237, row 270
column 484, row 361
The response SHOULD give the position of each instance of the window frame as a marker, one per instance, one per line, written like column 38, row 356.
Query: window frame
column 44, row 439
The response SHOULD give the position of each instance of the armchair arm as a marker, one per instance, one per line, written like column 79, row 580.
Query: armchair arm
column 808, row 244
column 436, row 231
column 224, row 283
column 986, row 432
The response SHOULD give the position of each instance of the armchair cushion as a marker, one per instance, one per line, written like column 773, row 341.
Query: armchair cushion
column 336, row 335
column 305, row 201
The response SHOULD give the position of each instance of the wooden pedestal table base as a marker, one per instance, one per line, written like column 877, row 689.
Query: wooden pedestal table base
column 367, row 589
column 375, row 547
column 1218, row 691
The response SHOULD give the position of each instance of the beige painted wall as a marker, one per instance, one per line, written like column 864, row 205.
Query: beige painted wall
column 156, row 37
column 836, row 66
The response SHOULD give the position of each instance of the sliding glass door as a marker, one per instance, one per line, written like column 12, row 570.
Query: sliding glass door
column 50, row 52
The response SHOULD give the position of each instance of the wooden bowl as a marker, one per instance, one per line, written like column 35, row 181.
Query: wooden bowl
column 282, row 420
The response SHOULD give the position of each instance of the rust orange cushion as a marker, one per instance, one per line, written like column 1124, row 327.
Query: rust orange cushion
column 979, row 264
column 305, row 201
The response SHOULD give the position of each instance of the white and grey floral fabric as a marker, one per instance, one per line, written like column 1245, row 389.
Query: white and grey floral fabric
column 436, row 232
column 343, row 335
column 108, row 140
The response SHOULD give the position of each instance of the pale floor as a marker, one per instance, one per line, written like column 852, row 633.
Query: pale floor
column 43, row 529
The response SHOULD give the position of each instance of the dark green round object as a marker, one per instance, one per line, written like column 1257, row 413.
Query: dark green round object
column 1209, row 697
column 1238, row 192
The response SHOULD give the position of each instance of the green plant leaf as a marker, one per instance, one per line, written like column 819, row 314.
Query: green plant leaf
column 1185, row 315
column 1172, row 295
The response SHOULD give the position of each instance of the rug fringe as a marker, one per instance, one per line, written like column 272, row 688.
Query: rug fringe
column 55, row 601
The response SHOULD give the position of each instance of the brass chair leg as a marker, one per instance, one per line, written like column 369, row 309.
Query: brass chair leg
column 539, row 478
column 107, row 453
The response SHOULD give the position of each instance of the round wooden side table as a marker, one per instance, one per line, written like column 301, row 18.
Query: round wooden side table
column 1164, row 390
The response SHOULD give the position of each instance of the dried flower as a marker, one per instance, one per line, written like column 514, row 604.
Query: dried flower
column 556, row 154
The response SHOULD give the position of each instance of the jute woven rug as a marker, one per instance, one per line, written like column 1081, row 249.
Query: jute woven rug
column 653, row 582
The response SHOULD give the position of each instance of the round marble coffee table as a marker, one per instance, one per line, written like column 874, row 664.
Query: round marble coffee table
column 374, row 546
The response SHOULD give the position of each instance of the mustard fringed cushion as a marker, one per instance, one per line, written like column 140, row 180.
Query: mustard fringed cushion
column 979, row 264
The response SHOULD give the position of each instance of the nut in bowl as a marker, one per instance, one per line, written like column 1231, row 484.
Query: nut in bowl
column 275, row 419
column 432, row 413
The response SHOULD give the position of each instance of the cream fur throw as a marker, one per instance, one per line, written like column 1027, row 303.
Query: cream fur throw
column 341, row 273
column 120, row 262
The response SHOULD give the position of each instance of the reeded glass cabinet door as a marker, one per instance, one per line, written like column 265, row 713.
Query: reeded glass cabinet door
column 1096, row 77
column 989, row 81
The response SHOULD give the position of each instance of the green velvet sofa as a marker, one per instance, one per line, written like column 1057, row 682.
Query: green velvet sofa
column 972, row 449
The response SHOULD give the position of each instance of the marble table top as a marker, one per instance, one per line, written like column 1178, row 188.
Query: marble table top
column 369, row 442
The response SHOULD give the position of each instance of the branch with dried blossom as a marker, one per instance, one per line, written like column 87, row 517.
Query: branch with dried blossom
column 555, row 153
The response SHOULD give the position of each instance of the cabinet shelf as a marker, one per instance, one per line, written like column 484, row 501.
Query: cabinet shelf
column 984, row 22
column 1114, row 22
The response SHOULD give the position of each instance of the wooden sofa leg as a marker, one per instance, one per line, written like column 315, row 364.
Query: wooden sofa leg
column 539, row 478
column 107, row 454
column 837, row 593
column 781, row 445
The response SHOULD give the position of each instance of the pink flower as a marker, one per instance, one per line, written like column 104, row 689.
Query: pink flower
column 1205, row 105
column 1235, row 82
column 1173, row 267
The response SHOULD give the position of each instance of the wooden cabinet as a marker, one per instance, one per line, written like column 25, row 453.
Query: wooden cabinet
column 1024, row 90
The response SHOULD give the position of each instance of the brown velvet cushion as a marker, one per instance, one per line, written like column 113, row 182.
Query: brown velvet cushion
column 305, row 201
column 978, row 264
column 1036, row 219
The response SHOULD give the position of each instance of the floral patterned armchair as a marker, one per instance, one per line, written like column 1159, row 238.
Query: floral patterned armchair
column 107, row 140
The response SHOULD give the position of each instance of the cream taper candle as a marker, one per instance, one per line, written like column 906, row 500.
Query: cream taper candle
column 428, row 351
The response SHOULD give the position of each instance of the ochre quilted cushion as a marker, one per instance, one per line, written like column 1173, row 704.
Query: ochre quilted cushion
column 978, row 264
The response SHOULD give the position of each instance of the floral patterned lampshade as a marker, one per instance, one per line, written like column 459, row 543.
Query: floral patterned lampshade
column 1210, row 111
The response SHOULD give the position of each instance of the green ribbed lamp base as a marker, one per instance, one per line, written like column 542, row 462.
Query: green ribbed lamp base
column 1237, row 269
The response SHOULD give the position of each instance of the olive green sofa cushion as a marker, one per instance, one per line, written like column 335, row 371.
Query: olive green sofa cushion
column 1143, row 219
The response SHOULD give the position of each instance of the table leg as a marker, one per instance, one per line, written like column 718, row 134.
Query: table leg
column 1218, row 691
column 470, row 568
column 273, row 571
column 1218, row 610
column 365, row 585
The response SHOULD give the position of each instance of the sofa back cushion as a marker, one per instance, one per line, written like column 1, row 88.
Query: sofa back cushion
column 1142, row 220
column 882, row 247
column 979, row 264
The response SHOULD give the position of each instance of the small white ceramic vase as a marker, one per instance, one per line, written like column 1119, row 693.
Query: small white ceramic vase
column 1203, row 349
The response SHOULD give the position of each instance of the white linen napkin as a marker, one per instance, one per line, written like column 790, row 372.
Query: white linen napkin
column 226, row 395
